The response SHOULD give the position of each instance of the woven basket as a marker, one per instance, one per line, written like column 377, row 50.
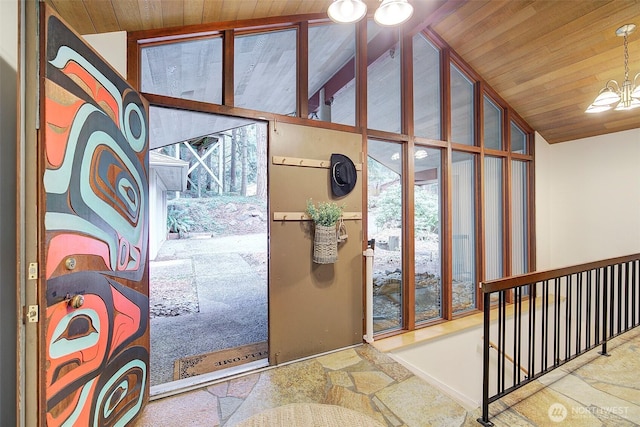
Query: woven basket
column 325, row 244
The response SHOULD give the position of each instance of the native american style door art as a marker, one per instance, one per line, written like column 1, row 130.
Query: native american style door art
column 94, row 305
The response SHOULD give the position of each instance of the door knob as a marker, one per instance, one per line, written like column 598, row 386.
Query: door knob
column 75, row 301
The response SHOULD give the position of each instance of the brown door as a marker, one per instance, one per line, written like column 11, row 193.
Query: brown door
column 93, row 343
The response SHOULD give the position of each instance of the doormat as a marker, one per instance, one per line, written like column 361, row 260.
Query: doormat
column 210, row 362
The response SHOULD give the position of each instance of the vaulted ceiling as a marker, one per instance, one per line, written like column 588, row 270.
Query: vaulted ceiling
column 547, row 58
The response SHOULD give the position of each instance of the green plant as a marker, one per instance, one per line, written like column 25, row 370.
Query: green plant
column 326, row 213
column 178, row 221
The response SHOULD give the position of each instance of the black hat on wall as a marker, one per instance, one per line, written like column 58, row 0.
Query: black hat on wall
column 343, row 175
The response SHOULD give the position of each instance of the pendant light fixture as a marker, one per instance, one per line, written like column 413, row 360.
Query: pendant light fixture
column 389, row 13
column 625, row 96
column 347, row 11
column 393, row 12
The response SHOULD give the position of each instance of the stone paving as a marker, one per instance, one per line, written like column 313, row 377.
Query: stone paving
column 593, row 390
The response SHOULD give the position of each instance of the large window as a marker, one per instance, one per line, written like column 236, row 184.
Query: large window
column 332, row 91
column 493, row 218
column 448, row 170
column 265, row 78
column 188, row 70
column 463, row 257
column 427, row 223
column 462, row 112
column 426, row 88
column 383, row 79
column 519, row 206
column 384, row 182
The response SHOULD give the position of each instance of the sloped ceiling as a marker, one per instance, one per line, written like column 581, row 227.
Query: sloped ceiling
column 548, row 58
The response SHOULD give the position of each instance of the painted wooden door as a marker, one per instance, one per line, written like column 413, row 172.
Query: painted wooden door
column 92, row 209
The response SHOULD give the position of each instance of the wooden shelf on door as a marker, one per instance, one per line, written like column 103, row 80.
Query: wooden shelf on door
column 310, row 163
column 301, row 216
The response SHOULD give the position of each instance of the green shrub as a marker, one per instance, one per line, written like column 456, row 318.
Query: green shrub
column 326, row 213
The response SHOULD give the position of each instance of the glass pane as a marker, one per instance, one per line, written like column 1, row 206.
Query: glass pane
column 461, row 108
column 383, row 81
column 332, row 94
column 463, row 244
column 519, row 229
column 170, row 125
column 426, row 88
column 189, row 70
column 265, row 72
column 384, row 181
column 493, row 225
column 518, row 140
column 492, row 125
column 427, row 193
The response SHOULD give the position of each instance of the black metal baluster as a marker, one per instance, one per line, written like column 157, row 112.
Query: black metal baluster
column 545, row 325
column 579, row 313
column 485, row 361
column 532, row 329
column 556, row 325
column 588, row 314
column 567, row 320
column 597, row 313
column 605, row 311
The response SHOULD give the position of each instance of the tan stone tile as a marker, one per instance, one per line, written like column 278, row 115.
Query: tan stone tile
column 548, row 407
column 584, row 395
column 241, row 387
column 339, row 360
column 419, row 404
column 340, row 378
column 194, row 409
column 296, row 383
column 370, row 382
column 358, row 402
column 370, row 353
column 386, row 413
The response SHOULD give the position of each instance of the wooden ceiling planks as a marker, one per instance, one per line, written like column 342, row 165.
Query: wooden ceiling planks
column 75, row 13
column 172, row 13
column 546, row 58
column 102, row 16
column 193, row 12
column 128, row 14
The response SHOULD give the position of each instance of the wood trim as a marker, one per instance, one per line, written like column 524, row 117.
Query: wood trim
column 302, row 216
column 312, row 163
column 133, row 62
column 408, row 236
column 206, row 107
column 447, row 231
column 361, row 74
column 302, row 76
column 258, row 24
column 228, row 66
column 540, row 276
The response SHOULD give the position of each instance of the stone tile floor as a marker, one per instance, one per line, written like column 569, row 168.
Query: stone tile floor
column 590, row 391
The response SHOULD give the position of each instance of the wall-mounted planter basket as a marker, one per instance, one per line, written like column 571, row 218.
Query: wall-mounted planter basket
column 325, row 244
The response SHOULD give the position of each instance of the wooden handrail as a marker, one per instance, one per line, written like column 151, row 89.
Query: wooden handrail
column 525, row 279
column 506, row 356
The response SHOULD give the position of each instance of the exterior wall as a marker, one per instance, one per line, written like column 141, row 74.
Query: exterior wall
column 157, row 213
column 8, row 144
column 588, row 199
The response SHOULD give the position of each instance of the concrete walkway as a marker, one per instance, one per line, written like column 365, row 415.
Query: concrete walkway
column 230, row 307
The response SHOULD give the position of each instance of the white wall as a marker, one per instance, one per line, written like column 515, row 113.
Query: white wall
column 112, row 47
column 588, row 199
column 8, row 144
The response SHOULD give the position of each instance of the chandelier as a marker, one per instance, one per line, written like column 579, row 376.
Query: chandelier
column 389, row 13
column 625, row 96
